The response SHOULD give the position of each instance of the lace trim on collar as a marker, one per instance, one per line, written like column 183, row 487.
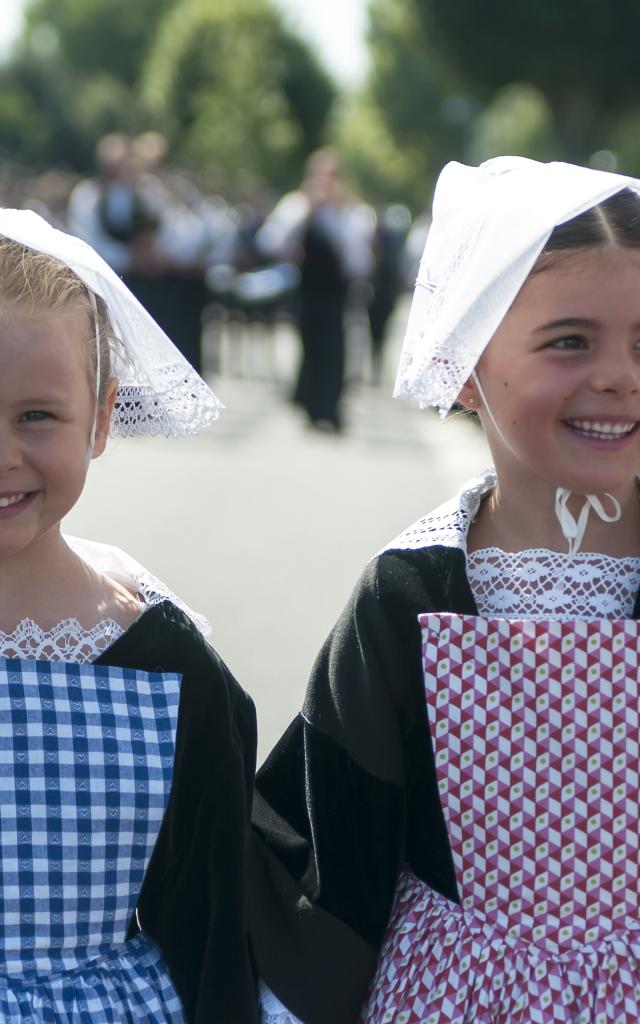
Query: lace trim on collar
column 120, row 566
column 448, row 525
column 538, row 584
column 67, row 640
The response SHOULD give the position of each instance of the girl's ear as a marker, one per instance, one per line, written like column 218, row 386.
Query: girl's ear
column 469, row 395
column 103, row 418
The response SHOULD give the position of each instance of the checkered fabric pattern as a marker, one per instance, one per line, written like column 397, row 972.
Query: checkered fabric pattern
column 128, row 985
column 536, row 740
column 86, row 762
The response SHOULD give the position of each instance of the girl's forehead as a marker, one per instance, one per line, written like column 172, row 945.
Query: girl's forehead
column 46, row 339
column 71, row 320
column 586, row 274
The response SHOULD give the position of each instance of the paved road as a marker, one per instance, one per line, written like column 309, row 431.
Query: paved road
column 264, row 526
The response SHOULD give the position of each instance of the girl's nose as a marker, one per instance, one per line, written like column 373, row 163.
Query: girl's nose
column 617, row 376
column 10, row 451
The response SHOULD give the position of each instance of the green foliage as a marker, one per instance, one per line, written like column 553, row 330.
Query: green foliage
column 36, row 91
column 582, row 45
column 309, row 91
column 110, row 37
column 411, row 117
column 517, row 120
column 23, row 130
column 383, row 171
column 623, row 140
column 581, row 55
column 73, row 78
column 235, row 93
column 406, row 81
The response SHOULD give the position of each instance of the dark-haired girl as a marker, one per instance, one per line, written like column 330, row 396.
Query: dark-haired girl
column 406, row 871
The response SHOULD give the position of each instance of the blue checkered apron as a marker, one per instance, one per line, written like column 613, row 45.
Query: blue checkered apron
column 86, row 761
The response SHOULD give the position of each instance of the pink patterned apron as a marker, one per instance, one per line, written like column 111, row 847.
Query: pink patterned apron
column 535, row 727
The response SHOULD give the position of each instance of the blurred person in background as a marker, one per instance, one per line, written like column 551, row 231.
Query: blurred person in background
column 414, row 247
column 104, row 210
column 329, row 233
column 140, row 222
column 48, row 194
column 388, row 278
column 168, row 250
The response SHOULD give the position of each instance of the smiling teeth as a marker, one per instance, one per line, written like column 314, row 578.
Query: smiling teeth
column 5, row 502
column 593, row 428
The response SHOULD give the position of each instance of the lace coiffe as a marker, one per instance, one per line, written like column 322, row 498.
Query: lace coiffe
column 489, row 225
column 159, row 391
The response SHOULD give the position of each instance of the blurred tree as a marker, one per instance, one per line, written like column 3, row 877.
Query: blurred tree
column 582, row 56
column 516, row 120
column 230, row 86
column 109, row 37
column 23, row 129
column 411, row 117
column 623, row 144
column 379, row 169
column 36, row 124
column 73, row 77
column 236, row 94
column 309, row 91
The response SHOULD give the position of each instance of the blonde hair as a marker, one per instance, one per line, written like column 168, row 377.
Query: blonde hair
column 37, row 282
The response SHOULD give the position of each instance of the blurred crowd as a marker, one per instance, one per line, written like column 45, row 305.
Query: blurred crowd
column 320, row 255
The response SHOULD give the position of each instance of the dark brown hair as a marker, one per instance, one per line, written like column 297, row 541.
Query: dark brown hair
column 615, row 222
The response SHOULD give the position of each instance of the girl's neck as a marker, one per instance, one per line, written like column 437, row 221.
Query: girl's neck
column 48, row 582
column 518, row 519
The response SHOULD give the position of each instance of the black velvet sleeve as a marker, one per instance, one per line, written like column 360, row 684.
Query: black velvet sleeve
column 193, row 901
column 349, row 795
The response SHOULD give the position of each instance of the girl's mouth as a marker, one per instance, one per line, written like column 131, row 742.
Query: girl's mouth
column 600, row 430
column 13, row 504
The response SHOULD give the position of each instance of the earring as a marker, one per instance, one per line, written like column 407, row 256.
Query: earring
column 471, row 400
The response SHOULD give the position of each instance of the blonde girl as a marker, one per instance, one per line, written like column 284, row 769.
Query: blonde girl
column 126, row 746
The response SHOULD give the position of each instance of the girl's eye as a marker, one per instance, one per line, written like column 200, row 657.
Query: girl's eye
column 569, row 343
column 35, row 416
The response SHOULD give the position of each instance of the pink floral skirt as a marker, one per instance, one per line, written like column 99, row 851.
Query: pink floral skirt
column 441, row 963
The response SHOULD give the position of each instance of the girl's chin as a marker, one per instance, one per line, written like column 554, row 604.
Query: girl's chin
column 536, row 484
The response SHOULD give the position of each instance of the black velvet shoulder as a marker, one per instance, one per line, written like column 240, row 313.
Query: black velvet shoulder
column 193, row 900
column 349, row 794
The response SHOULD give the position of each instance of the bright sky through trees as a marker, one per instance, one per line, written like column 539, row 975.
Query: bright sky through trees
column 335, row 27
column 10, row 21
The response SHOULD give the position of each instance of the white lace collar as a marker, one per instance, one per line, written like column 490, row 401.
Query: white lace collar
column 116, row 563
column 539, row 584
column 68, row 640
column 448, row 525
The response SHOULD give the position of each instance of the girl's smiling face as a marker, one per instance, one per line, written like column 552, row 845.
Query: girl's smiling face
column 561, row 377
column 47, row 405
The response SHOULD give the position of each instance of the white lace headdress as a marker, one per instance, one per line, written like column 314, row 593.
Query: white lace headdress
column 489, row 225
column 159, row 391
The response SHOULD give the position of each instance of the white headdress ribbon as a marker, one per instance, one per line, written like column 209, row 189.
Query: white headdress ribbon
column 573, row 530
column 489, row 225
column 159, row 391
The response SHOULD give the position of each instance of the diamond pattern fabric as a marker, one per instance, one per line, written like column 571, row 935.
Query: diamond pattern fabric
column 536, row 741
